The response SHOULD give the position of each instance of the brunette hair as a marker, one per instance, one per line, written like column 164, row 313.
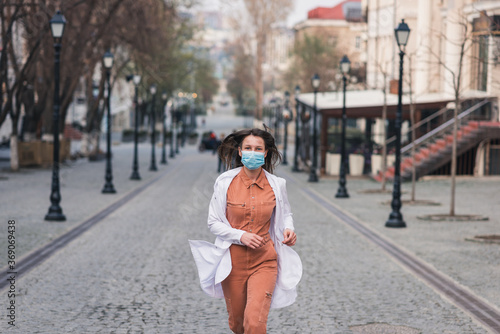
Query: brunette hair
column 228, row 150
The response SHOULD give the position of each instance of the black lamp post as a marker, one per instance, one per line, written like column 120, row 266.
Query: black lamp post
column 305, row 117
column 108, row 60
column 172, row 120
column 345, row 66
column 192, row 112
column 287, row 117
column 277, row 110
column 178, row 125
column 295, row 167
column 55, row 213
column 313, row 177
column 402, row 33
column 152, row 166
column 135, row 166
column 272, row 106
column 183, row 123
column 164, row 97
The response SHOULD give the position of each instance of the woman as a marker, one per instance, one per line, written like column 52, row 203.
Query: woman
column 220, row 165
column 251, row 264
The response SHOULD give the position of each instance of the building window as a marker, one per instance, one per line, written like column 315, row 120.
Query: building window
column 492, row 158
column 358, row 42
column 482, row 63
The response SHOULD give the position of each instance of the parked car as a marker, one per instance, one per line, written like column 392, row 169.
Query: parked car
column 209, row 141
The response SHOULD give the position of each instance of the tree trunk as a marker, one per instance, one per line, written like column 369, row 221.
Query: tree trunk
column 384, row 142
column 48, row 118
column 85, row 144
column 454, row 157
column 95, row 142
column 29, row 120
column 413, row 167
column 14, row 116
column 259, row 87
column 14, row 156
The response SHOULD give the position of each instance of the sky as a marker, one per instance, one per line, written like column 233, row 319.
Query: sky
column 298, row 14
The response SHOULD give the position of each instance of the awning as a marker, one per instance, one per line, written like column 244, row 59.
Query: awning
column 369, row 103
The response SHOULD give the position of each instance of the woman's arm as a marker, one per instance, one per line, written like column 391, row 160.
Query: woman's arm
column 217, row 226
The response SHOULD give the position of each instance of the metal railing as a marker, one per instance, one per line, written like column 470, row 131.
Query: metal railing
column 426, row 122
column 472, row 113
column 438, row 125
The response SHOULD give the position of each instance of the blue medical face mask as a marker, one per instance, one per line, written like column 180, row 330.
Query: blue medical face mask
column 252, row 160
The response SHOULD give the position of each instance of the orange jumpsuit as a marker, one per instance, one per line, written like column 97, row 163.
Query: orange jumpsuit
column 248, row 288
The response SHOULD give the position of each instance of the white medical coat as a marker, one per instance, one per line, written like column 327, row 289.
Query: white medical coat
column 214, row 260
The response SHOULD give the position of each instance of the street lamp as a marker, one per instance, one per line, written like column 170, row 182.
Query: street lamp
column 172, row 120
column 183, row 122
column 192, row 112
column 272, row 105
column 178, row 125
column 345, row 66
column 295, row 167
column 276, row 123
column 152, row 166
column 287, row 116
column 305, row 117
column 402, row 33
column 108, row 60
column 55, row 213
column 313, row 177
column 135, row 167
column 164, row 97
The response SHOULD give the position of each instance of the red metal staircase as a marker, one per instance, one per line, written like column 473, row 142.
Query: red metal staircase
column 434, row 149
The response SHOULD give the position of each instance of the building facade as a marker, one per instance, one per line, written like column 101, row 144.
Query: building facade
column 341, row 26
column 447, row 37
column 452, row 52
column 451, row 55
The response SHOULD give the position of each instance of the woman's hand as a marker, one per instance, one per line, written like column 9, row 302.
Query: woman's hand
column 289, row 237
column 252, row 240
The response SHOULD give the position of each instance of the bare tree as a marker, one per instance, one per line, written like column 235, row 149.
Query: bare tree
column 412, row 121
column 263, row 14
column 313, row 54
column 31, row 70
column 461, row 39
column 9, row 15
column 241, row 82
column 142, row 29
column 385, row 75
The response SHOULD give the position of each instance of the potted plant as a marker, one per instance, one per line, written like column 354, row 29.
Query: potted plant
column 193, row 138
column 29, row 153
column 332, row 163
column 356, row 163
column 143, row 136
column 127, row 135
column 376, row 161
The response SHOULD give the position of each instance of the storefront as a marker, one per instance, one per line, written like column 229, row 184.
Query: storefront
column 364, row 111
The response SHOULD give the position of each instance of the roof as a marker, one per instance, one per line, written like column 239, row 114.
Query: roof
column 362, row 103
column 339, row 12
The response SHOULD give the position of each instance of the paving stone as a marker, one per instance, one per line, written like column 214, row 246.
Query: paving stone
column 133, row 272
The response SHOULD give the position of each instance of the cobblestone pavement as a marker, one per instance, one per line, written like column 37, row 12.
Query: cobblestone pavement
column 81, row 183
column 134, row 273
column 445, row 245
